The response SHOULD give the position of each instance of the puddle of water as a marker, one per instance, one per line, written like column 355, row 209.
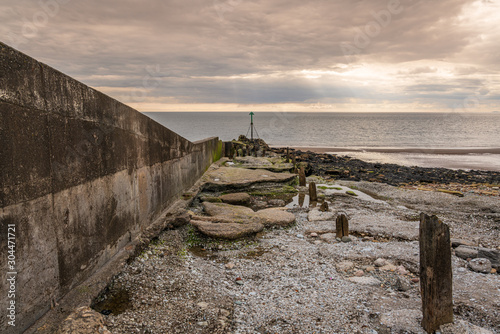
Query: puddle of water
column 253, row 253
column 334, row 189
column 300, row 200
column 199, row 251
column 115, row 302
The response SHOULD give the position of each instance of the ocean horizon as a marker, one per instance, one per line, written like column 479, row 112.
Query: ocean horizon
column 450, row 140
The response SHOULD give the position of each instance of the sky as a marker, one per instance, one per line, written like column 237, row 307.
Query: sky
column 270, row 55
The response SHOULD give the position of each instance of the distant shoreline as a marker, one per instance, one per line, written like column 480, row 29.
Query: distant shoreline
column 457, row 151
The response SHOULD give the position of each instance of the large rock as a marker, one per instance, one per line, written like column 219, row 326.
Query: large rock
column 233, row 221
column 275, row 217
column 490, row 254
column 236, row 198
column 239, row 178
column 239, row 214
column 465, row 252
column 83, row 320
column 229, row 231
column 275, row 164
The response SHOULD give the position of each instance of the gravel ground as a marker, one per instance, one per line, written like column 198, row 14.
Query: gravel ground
column 287, row 281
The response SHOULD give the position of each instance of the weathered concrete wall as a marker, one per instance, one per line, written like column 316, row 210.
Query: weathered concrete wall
column 81, row 176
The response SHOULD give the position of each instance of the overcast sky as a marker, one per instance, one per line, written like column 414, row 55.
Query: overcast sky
column 318, row 55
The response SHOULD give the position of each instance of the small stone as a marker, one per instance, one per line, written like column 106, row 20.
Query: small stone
column 345, row 265
column 359, row 273
column 229, row 265
column 314, row 235
column 415, row 280
column 346, row 239
column 480, row 265
column 402, row 270
column 493, row 271
column 370, row 269
column 380, row 262
column 402, row 284
column 300, row 236
column 203, row 323
column 317, row 242
column 239, row 282
column 202, row 305
column 388, row 267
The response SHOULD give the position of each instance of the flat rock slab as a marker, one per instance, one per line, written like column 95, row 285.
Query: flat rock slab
column 238, row 178
column 236, row 198
column 317, row 215
column 384, row 225
column 272, row 164
column 275, row 217
column 229, row 231
column 237, row 213
column 238, row 221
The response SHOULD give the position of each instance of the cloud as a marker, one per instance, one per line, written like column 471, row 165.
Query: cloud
column 257, row 51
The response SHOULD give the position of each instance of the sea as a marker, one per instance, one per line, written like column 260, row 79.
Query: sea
column 455, row 140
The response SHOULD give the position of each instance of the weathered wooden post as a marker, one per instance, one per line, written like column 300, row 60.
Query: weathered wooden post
column 342, row 226
column 324, row 207
column 302, row 177
column 435, row 273
column 294, row 162
column 313, row 196
column 287, row 155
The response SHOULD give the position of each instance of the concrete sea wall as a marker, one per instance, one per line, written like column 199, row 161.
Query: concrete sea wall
column 82, row 175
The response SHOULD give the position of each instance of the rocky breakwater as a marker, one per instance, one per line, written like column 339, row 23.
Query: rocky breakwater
column 336, row 167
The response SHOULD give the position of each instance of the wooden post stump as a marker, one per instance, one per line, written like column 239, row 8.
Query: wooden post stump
column 435, row 273
column 324, row 207
column 287, row 155
column 302, row 177
column 313, row 196
column 342, row 226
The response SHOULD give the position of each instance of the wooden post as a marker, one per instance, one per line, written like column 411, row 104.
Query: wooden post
column 342, row 226
column 313, row 196
column 435, row 273
column 287, row 155
column 302, row 177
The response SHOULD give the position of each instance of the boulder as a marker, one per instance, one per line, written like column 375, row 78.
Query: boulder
column 236, row 198
column 229, row 231
column 275, row 217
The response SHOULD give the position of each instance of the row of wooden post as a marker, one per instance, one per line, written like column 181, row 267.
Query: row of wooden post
column 436, row 278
